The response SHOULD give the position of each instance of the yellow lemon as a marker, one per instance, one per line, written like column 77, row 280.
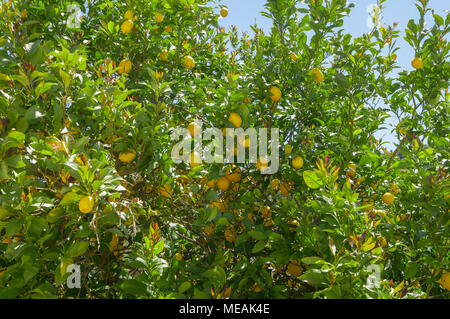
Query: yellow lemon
column 178, row 257
column 224, row 12
column 288, row 149
column 351, row 170
column 294, row 269
column 293, row 56
column 235, row 176
column 261, row 164
column 189, row 62
column 297, row 162
column 276, row 94
column 159, row 17
column 195, row 159
column 318, row 75
column 194, row 129
column 235, row 119
column 445, row 280
column 86, row 204
column 127, row 157
column 211, row 183
column 126, row 26
column 223, row 183
column 394, row 189
column 388, row 198
column 128, row 15
column 275, row 183
column 125, row 66
column 417, row 63
column 168, row 29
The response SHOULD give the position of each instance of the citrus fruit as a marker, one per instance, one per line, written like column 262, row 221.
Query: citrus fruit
column 297, row 162
column 394, row 189
column 165, row 190
column 126, row 26
column 230, row 235
column 318, row 75
column 125, row 66
column 275, row 183
column 388, row 198
column 86, row 204
column 188, row 62
column 276, row 94
column 159, row 17
column 261, row 164
column 168, row 29
column 266, row 212
column 223, row 183
column 235, row 119
column 194, row 129
column 163, row 56
column 178, row 257
column 195, row 159
column 445, row 280
column 127, row 157
column 294, row 269
column 224, row 12
column 288, row 149
column 128, row 15
column 293, row 56
column 417, row 63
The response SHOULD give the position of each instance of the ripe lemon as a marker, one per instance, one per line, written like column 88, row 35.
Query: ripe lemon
column 417, row 63
column 128, row 15
column 297, row 162
column 394, row 189
column 261, row 164
column 293, row 56
column 127, row 157
column 318, row 75
column 294, row 269
column 388, row 198
column 223, row 183
column 178, row 257
column 211, row 183
column 230, row 235
column 234, row 176
column 125, row 66
column 224, row 12
column 445, row 280
column 189, row 62
column 195, row 159
column 276, row 94
column 165, row 190
column 126, row 26
column 351, row 170
column 86, row 204
column 194, row 129
column 168, row 29
column 288, row 149
column 235, row 119
column 159, row 17
column 275, row 184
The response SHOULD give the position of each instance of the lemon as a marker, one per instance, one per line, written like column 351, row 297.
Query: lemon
column 223, row 183
column 394, row 189
column 178, row 257
column 165, row 191
column 194, row 129
column 211, row 183
column 351, row 170
column 126, row 26
column 86, row 204
column 294, row 269
column 128, row 15
column 127, row 157
column 168, row 29
column 261, row 164
column 275, row 183
column 285, row 188
column 297, row 162
column 125, row 66
column 159, row 17
column 224, row 12
column 235, row 119
column 195, row 159
column 318, row 75
column 293, row 56
column 417, row 63
column 276, row 94
column 189, row 62
column 388, row 198
column 288, row 149
column 235, row 176
column 445, row 280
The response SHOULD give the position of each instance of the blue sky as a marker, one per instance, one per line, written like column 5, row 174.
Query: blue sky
column 243, row 13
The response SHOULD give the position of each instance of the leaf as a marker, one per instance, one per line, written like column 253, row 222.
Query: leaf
column 399, row 287
column 184, row 287
column 332, row 246
column 258, row 247
column 216, row 275
column 77, row 249
column 411, row 270
column 69, row 198
column 257, row 235
column 133, row 287
column 312, row 260
column 312, row 180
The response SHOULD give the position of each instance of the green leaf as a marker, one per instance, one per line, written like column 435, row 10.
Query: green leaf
column 312, row 180
column 184, row 287
column 70, row 198
column 216, row 275
column 258, row 247
column 77, row 249
column 411, row 270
